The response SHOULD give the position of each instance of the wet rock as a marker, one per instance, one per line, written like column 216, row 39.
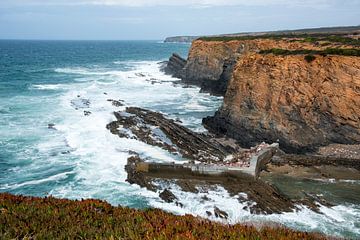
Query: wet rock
column 187, row 186
column 167, row 196
column 220, row 214
column 154, row 129
column 208, row 213
column 87, row 113
column 140, row 75
column 266, row 198
column 135, row 176
column 51, row 126
column 116, row 103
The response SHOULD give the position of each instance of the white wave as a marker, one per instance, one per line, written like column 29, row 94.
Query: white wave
column 338, row 220
column 48, row 86
column 56, row 177
column 350, row 181
column 98, row 157
column 86, row 71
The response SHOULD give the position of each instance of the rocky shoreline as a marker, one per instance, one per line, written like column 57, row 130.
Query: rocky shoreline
column 267, row 98
column 272, row 93
column 208, row 162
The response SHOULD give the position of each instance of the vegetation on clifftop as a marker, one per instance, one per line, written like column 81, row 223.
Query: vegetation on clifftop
column 313, row 38
column 50, row 218
column 328, row 51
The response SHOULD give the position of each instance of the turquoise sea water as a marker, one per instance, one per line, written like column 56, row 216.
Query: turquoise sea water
column 54, row 82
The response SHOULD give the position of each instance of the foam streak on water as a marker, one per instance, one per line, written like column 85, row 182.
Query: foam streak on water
column 80, row 158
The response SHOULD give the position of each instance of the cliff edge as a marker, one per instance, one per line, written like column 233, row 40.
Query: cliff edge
column 302, row 91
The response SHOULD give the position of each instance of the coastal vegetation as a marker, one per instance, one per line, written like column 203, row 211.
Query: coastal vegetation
column 311, row 38
column 328, row 51
column 50, row 218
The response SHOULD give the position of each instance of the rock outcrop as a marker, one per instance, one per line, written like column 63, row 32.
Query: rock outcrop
column 175, row 66
column 301, row 105
column 210, row 66
column 154, row 129
column 301, row 101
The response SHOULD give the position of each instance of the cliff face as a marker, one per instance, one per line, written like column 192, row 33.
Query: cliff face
column 210, row 63
column 301, row 104
column 284, row 98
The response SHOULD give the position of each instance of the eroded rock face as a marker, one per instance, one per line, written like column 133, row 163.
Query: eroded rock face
column 210, row 63
column 175, row 66
column 286, row 99
column 210, row 67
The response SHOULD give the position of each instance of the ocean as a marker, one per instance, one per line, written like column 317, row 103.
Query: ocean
column 67, row 84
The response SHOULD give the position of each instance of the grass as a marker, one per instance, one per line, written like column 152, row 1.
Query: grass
column 328, row 51
column 50, row 218
column 312, row 38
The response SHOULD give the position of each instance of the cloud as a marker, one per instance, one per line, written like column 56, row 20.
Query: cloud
column 190, row 3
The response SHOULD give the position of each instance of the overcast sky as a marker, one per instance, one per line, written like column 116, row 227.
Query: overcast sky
column 157, row 19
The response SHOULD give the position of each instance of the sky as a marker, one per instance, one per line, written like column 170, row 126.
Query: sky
column 157, row 19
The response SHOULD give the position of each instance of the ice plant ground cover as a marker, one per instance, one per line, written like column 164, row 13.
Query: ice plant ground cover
column 51, row 218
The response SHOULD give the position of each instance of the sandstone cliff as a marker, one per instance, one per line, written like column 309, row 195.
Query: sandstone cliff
column 300, row 102
column 284, row 98
column 210, row 63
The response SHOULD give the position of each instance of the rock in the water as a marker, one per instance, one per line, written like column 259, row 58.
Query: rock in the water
column 167, row 196
column 175, row 66
column 51, row 126
column 154, row 129
column 220, row 214
column 87, row 113
column 116, row 103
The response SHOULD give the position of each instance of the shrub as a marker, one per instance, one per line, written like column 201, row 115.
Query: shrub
column 329, row 51
column 310, row 58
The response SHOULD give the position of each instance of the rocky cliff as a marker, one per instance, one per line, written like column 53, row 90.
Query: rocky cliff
column 210, row 63
column 284, row 98
column 300, row 92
